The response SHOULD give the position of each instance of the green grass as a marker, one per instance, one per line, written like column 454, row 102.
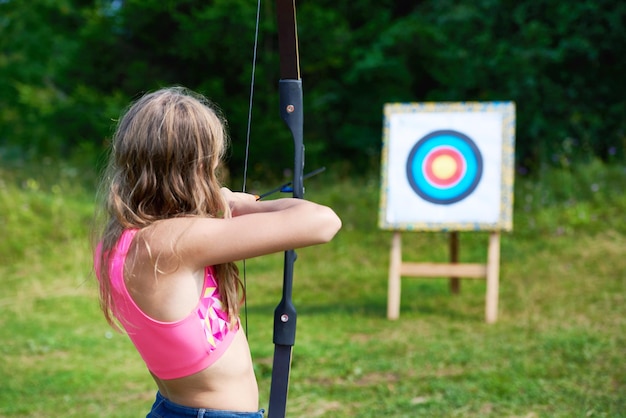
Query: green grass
column 557, row 350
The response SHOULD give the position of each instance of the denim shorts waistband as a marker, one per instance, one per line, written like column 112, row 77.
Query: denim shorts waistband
column 164, row 408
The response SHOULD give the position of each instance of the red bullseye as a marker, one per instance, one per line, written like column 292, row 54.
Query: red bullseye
column 444, row 167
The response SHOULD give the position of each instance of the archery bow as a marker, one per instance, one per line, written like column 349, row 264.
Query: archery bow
column 290, row 99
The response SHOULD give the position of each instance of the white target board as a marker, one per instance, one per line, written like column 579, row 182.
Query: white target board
column 447, row 166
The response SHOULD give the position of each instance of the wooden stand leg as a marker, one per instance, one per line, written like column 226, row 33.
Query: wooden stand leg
column 454, row 270
column 493, row 272
column 393, row 292
column 455, row 283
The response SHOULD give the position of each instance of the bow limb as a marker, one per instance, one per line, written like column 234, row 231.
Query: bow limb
column 290, row 92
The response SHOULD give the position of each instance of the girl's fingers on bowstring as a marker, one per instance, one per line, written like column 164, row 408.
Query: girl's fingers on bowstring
column 235, row 198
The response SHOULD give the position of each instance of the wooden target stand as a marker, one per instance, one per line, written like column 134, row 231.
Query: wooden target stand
column 454, row 270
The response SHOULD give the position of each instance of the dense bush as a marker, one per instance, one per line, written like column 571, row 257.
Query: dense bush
column 68, row 67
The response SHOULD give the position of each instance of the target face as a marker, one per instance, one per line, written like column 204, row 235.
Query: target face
column 444, row 167
column 447, row 166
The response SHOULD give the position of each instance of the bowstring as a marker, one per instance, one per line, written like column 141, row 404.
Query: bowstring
column 247, row 152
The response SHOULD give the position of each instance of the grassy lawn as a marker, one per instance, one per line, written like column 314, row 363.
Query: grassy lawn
column 557, row 350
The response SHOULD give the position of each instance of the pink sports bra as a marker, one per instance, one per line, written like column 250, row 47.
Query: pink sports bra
column 171, row 349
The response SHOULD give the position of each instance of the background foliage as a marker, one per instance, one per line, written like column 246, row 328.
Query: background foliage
column 69, row 67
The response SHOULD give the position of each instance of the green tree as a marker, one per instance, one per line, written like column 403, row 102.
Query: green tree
column 68, row 67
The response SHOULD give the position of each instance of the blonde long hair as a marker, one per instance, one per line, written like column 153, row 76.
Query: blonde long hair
column 165, row 153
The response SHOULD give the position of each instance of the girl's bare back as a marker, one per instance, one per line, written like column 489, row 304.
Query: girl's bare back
column 169, row 293
column 228, row 384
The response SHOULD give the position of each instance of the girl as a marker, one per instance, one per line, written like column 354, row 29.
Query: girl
column 165, row 258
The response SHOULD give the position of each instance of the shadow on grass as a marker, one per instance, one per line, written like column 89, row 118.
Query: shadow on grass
column 449, row 307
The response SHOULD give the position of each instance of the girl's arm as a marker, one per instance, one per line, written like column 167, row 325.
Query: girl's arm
column 245, row 204
column 256, row 228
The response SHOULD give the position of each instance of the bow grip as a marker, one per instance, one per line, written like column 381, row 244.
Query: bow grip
column 291, row 112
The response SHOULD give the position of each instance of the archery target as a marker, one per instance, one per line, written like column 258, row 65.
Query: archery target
column 447, row 166
column 444, row 167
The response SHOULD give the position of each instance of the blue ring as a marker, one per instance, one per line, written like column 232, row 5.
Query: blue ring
column 432, row 192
